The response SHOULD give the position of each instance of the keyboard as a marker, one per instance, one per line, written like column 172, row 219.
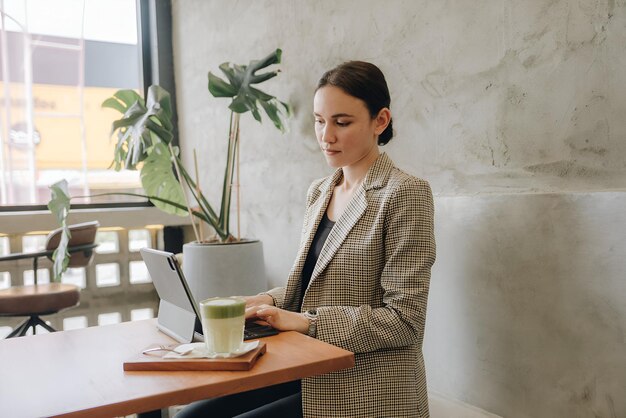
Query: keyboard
column 255, row 330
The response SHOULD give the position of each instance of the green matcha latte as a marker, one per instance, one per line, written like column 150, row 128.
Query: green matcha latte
column 223, row 321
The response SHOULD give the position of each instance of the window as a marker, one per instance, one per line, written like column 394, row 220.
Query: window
column 107, row 274
column 33, row 243
column 108, row 241
column 43, row 276
column 138, row 272
column 5, row 280
column 75, row 276
column 74, row 322
column 138, row 239
column 54, row 75
column 5, row 246
column 140, row 314
column 5, row 276
column 109, row 318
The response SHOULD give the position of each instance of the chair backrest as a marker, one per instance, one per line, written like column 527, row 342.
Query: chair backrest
column 82, row 234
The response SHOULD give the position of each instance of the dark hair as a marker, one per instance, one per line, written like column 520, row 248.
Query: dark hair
column 364, row 81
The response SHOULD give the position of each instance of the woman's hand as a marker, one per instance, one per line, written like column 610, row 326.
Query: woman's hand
column 257, row 300
column 280, row 319
column 253, row 303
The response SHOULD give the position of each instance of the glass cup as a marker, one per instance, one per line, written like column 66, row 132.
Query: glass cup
column 223, row 320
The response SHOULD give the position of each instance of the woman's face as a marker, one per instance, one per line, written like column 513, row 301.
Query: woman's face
column 345, row 131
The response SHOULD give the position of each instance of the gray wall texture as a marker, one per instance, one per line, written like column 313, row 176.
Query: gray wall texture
column 514, row 111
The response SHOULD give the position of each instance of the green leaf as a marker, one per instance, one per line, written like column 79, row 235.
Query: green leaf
column 59, row 203
column 241, row 78
column 61, row 256
column 128, row 97
column 255, row 113
column 122, row 100
column 126, row 122
column 260, row 95
column 256, row 79
column 240, row 71
column 140, row 124
column 220, row 88
column 272, row 58
column 272, row 111
column 158, row 179
column 159, row 103
column 288, row 109
column 234, row 77
column 59, row 206
column 241, row 104
column 160, row 132
column 113, row 103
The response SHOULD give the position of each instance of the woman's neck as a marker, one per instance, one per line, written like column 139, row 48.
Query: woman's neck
column 354, row 174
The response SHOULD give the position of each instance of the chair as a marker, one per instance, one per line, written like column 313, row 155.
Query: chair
column 36, row 300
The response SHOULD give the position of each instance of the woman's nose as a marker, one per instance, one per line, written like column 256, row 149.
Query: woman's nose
column 328, row 135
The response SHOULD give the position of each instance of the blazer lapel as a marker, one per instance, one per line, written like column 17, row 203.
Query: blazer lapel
column 314, row 216
column 350, row 216
column 376, row 177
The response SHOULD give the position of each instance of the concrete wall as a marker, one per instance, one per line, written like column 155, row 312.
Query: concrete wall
column 514, row 112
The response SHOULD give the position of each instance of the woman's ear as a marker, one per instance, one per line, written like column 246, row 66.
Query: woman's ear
column 382, row 120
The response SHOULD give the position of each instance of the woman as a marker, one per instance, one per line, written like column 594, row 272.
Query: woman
column 361, row 277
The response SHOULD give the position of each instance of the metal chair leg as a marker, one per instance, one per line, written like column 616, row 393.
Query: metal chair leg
column 35, row 265
column 33, row 321
column 30, row 324
column 38, row 321
column 17, row 332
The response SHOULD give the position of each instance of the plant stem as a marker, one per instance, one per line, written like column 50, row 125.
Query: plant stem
column 193, row 224
column 195, row 164
column 211, row 217
column 238, row 188
column 228, row 174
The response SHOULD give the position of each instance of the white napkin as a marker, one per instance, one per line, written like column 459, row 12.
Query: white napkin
column 200, row 351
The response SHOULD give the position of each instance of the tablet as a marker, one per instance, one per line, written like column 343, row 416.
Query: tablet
column 179, row 313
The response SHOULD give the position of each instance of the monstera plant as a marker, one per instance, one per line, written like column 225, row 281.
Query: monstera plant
column 145, row 143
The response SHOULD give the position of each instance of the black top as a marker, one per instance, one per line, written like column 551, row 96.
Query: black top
column 314, row 252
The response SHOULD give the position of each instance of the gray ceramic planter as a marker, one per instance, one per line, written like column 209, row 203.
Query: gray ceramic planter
column 235, row 269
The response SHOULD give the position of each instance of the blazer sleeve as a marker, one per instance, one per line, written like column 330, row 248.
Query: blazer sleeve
column 409, row 244
column 278, row 296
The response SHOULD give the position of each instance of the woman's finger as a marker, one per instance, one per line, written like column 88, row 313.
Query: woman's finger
column 254, row 311
column 266, row 310
column 251, row 312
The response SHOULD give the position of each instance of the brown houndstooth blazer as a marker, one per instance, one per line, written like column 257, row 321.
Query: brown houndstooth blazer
column 370, row 288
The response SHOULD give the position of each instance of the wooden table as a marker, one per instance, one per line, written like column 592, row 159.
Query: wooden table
column 79, row 373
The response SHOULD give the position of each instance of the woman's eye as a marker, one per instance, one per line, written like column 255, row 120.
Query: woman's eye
column 342, row 123
column 319, row 121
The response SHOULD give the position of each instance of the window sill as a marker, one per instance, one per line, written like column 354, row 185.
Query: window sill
column 20, row 222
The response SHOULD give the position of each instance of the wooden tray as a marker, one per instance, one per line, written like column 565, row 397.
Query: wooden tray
column 150, row 362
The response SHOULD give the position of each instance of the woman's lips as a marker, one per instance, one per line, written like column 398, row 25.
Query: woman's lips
column 330, row 151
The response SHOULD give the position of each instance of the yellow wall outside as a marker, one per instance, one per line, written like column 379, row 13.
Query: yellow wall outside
column 60, row 146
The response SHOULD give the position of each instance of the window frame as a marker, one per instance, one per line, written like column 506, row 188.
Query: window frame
column 154, row 21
